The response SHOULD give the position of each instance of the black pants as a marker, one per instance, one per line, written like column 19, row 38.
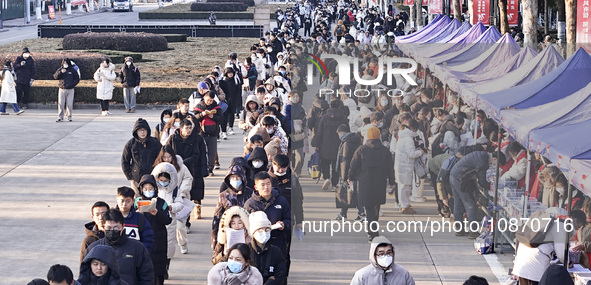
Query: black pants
column 105, row 105
column 22, row 93
column 373, row 214
column 329, row 170
column 307, row 31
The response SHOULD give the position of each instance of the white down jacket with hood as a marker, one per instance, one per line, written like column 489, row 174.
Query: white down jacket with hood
column 406, row 153
column 176, row 204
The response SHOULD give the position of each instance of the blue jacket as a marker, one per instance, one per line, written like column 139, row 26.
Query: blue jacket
column 137, row 227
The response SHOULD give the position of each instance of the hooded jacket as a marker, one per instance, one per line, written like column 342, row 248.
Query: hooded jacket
column 372, row 166
column 245, row 123
column 92, row 234
column 277, row 133
column 105, row 254
column 289, row 187
column 158, row 223
column 373, row 274
column 139, row 155
column 209, row 126
column 229, row 198
column 68, row 79
column 325, row 136
column 406, row 154
column 230, row 88
column 258, row 153
column 193, row 151
column 175, row 200
column 135, row 264
column 224, row 225
column 349, row 144
column 8, row 90
column 277, row 209
column 184, row 178
column 104, row 88
column 160, row 126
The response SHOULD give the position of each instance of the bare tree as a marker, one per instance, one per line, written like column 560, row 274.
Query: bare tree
column 503, row 16
column 419, row 13
column 457, row 10
column 571, row 26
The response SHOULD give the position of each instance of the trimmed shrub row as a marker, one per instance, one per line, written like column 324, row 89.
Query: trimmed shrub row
column 250, row 3
column 140, row 42
column 175, row 38
column 119, row 56
column 47, row 63
column 226, row 7
column 195, row 16
column 46, row 94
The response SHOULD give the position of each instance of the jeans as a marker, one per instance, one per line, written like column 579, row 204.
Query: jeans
column 22, row 92
column 463, row 201
column 14, row 107
column 65, row 103
column 129, row 97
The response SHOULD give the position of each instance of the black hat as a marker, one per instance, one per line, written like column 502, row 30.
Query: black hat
column 344, row 128
column 26, row 49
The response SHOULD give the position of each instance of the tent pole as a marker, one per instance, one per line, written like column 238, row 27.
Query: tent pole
column 526, row 193
column 496, row 197
column 568, row 208
column 475, row 127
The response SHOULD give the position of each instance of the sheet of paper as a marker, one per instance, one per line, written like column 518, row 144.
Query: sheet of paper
column 234, row 236
column 299, row 233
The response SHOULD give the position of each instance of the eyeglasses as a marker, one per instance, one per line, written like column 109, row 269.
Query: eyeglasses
column 382, row 254
column 263, row 230
column 112, row 229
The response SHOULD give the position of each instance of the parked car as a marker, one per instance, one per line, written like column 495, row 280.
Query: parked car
column 123, row 5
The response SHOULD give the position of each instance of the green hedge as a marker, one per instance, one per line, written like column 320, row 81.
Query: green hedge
column 175, row 38
column 119, row 56
column 46, row 94
column 195, row 16
column 226, row 7
column 140, row 42
column 47, row 63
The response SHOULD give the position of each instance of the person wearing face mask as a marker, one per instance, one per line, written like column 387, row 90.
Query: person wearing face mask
column 139, row 154
column 165, row 117
column 167, row 184
column 209, row 115
column 238, row 270
column 424, row 100
column 519, row 167
column 269, row 129
column 406, row 153
column 68, row 79
column 295, row 113
column 171, row 126
column 130, row 79
column 382, row 268
column 283, row 83
column 268, row 258
column 159, row 218
column 104, row 76
column 100, row 267
column 135, row 264
column 24, row 67
column 233, row 97
column 8, row 90
column 236, row 194
column 258, row 161
column 233, row 229
column 349, row 143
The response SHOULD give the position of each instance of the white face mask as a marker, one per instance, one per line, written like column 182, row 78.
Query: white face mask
column 262, row 237
column 270, row 131
column 149, row 194
column 269, row 50
column 66, row 65
column 166, row 120
column 177, row 124
column 128, row 63
column 257, row 163
column 236, row 183
column 384, row 102
column 560, row 190
column 279, row 173
column 26, row 55
column 384, row 261
column 381, row 124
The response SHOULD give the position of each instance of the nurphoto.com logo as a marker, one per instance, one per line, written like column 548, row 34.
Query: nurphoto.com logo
column 344, row 69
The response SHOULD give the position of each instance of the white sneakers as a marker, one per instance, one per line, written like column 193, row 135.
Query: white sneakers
column 230, row 131
column 105, row 113
column 418, row 199
column 184, row 249
column 224, row 136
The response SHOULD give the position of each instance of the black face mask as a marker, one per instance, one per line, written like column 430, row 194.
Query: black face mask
column 113, row 235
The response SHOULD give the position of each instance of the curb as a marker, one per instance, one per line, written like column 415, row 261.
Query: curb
column 85, row 106
column 41, row 22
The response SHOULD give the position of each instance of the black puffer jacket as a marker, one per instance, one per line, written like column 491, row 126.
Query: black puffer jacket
column 139, row 154
column 349, row 144
column 105, row 254
column 372, row 166
column 130, row 76
column 135, row 264
column 270, row 262
column 326, row 137
column 556, row 274
column 24, row 73
column 158, row 223
column 68, row 79
column 289, row 187
column 258, row 153
column 194, row 154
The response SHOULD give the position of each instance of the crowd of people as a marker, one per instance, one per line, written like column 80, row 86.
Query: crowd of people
column 377, row 144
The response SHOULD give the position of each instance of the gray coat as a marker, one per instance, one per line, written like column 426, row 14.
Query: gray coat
column 373, row 274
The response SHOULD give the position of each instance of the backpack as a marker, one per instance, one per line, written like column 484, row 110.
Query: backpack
column 448, row 164
column 339, row 30
column 435, row 146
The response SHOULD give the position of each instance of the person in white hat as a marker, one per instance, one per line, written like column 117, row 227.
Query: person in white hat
column 268, row 258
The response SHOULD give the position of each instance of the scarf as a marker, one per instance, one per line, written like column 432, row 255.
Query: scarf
column 236, row 278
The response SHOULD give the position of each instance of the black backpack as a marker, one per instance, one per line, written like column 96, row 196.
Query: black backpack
column 435, row 146
column 339, row 30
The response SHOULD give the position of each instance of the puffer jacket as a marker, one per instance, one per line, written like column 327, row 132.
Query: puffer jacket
column 218, row 274
column 139, row 155
column 175, row 202
column 185, row 179
column 92, row 234
column 68, row 79
column 105, row 254
column 394, row 274
column 26, row 72
column 219, row 253
column 371, row 166
column 104, row 87
column 247, row 113
column 130, row 76
column 277, row 133
column 229, row 198
column 8, row 92
column 349, row 144
column 406, row 154
column 194, row 153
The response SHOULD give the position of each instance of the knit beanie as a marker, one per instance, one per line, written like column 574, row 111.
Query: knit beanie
column 258, row 220
column 373, row 133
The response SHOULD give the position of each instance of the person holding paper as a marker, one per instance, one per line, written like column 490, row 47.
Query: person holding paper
column 233, row 229
column 268, row 258
column 156, row 212
column 167, row 184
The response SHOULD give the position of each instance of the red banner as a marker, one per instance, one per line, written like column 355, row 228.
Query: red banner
column 481, row 12
column 78, row 2
column 51, row 11
column 435, row 7
column 409, row 2
column 584, row 24
column 512, row 9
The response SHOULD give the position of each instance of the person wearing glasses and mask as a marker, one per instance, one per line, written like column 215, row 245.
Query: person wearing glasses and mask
column 382, row 269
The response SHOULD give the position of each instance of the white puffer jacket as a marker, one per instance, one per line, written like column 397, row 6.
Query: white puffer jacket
column 104, row 88
column 406, row 153
column 185, row 179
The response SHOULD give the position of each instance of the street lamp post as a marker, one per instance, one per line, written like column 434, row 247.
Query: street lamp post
column 1, row 8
